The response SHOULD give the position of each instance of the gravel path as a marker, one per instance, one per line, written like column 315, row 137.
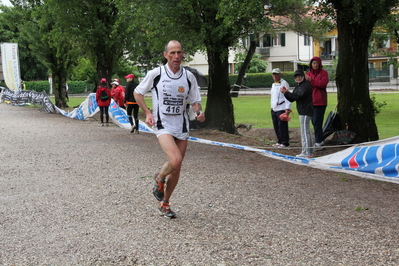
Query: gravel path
column 75, row 193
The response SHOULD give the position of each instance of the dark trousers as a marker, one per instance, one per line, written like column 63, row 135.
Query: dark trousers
column 133, row 108
column 281, row 128
column 317, row 121
column 104, row 110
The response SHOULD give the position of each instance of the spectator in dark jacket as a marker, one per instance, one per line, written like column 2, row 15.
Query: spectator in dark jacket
column 131, row 104
column 302, row 94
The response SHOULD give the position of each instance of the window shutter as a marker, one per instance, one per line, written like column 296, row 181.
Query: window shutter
column 282, row 39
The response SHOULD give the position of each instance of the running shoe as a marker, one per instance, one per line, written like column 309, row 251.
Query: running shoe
column 158, row 188
column 165, row 210
column 318, row 146
column 277, row 145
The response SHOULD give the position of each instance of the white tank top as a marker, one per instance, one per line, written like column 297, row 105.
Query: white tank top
column 170, row 96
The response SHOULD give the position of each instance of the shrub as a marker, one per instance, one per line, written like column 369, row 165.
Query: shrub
column 38, row 86
column 75, row 87
column 262, row 80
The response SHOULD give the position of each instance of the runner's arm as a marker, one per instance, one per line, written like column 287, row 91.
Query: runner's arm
column 149, row 118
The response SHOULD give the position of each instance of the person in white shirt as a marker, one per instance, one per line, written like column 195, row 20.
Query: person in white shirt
column 279, row 105
column 174, row 86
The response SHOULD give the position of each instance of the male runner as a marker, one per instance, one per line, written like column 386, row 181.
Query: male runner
column 174, row 86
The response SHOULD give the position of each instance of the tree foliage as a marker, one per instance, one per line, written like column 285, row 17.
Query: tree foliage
column 10, row 20
column 257, row 65
column 39, row 28
column 99, row 28
column 62, row 34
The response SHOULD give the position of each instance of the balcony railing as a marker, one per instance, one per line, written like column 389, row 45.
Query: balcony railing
column 264, row 51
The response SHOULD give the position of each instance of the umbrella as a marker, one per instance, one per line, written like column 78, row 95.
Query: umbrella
column 201, row 80
column 332, row 124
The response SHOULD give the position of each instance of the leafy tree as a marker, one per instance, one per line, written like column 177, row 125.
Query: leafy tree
column 257, row 65
column 243, row 69
column 10, row 20
column 84, row 70
column 39, row 29
column 53, row 48
column 100, row 29
column 355, row 22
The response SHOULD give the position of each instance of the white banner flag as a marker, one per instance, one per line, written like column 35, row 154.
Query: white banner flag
column 10, row 61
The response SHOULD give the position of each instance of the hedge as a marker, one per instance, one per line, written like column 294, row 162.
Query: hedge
column 252, row 80
column 74, row 87
column 261, row 80
column 38, row 86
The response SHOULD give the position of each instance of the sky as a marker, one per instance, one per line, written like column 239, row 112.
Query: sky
column 6, row 2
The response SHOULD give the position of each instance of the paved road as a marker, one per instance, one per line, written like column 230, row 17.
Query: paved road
column 75, row 193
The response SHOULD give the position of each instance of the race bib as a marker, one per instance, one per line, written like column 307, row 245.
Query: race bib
column 172, row 106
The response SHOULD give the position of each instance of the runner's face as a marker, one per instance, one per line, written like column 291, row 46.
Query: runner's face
column 174, row 55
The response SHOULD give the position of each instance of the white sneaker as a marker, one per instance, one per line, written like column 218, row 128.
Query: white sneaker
column 318, row 146
column 282, row 146
column 277, row 145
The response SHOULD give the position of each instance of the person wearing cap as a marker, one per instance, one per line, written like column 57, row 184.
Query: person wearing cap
column 172, row 87
column 118, row 93
column 279, row 105
column 302, row 94
column 318, row 78
column 103, row 99
column 131, row 104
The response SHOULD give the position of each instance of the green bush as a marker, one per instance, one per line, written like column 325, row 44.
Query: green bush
column 76, row 87
column 38, row 86
column 262, row 80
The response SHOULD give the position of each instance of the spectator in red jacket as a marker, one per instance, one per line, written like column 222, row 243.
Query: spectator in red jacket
column 118, row 93
column 103, row 99
column 318, row 78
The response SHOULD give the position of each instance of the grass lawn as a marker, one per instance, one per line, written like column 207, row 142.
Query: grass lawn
column 255, row 110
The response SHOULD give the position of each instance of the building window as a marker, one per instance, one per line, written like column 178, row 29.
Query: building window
column 279, row 40
column 284, row 66
column 306, row 40
column 267, row 40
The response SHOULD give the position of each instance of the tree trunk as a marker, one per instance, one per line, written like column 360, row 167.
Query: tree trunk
column 219, row 110
column 356, row 109
column 243, row 70
column 59, row 86
column 104, row 71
